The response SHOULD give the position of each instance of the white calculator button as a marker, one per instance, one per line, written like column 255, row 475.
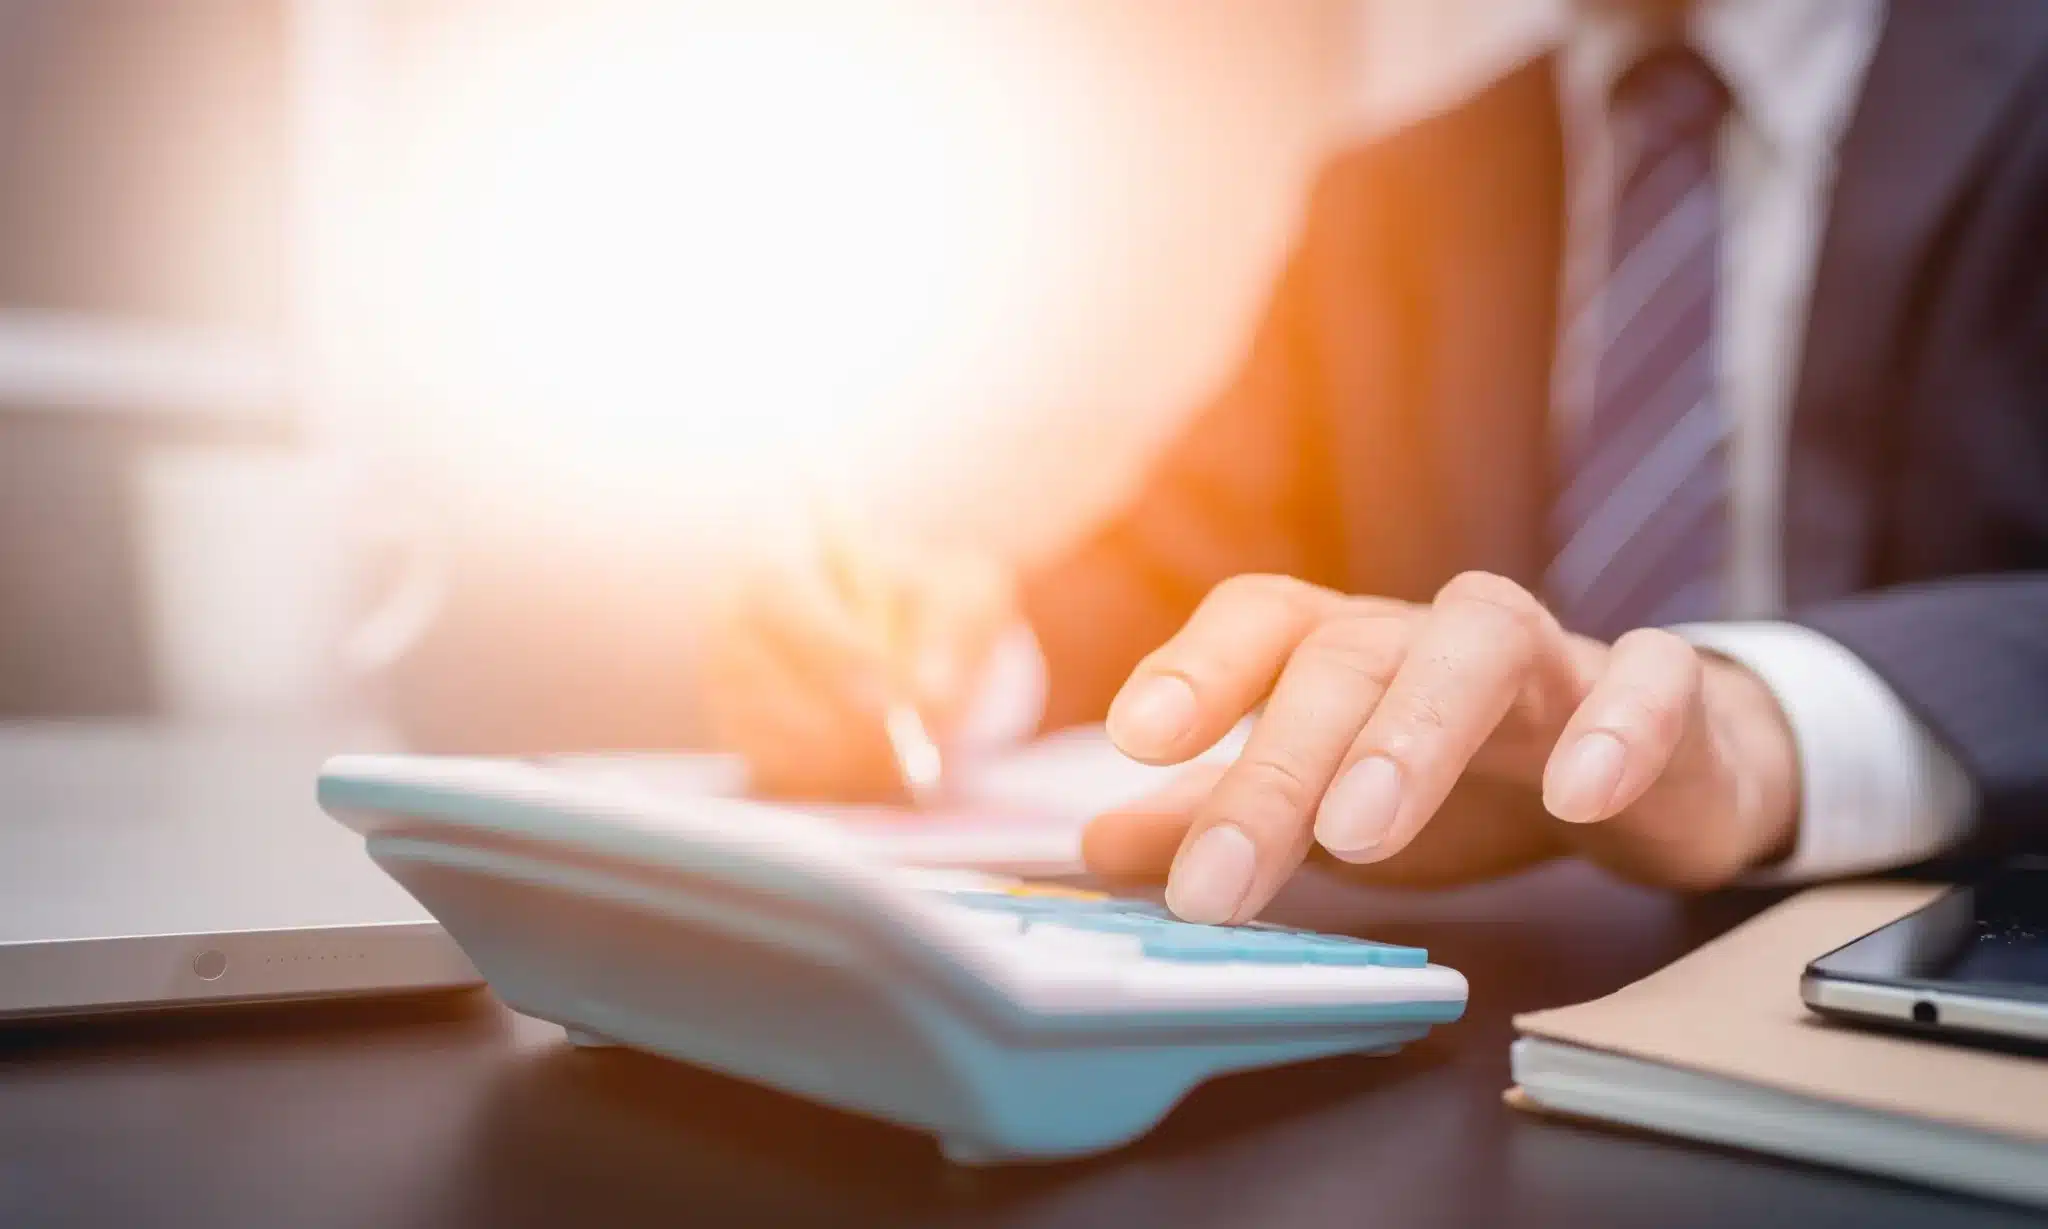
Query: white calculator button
column 983, row 922
column 1058, row 969
column 1047, row 940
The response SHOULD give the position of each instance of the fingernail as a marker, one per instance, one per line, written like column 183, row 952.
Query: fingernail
column 1360, row 807
column 1579, row 788
column 1151, row 716
column 1211, row 876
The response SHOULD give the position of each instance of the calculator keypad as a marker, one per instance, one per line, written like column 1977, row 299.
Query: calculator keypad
column 1160, row 936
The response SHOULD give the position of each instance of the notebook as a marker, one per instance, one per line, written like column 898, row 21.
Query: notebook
column 1718, row 1047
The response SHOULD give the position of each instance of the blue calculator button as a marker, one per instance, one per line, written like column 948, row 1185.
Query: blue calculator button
column 1164, row 937
column 1200, row 944
column 1342, row 949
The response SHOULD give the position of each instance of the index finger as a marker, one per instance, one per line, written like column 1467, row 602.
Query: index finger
column 1193, row 689
column 1267, row 798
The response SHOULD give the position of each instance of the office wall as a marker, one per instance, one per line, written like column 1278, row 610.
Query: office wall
column 142, row 168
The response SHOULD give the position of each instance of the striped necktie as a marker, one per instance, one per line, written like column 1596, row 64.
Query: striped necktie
column 1642, row 521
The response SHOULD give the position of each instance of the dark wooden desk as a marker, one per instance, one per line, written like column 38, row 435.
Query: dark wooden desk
column 458, row 1113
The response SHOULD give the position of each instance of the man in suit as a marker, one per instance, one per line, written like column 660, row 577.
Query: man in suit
column 1647, row 459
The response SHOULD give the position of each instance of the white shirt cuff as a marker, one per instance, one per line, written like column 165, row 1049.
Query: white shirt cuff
column 1009, row 700
column 1876, row 790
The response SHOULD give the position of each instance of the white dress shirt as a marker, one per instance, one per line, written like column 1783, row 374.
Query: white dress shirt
column 1876, row 789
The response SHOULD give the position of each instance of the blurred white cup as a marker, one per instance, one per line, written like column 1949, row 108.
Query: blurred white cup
column 250, row 562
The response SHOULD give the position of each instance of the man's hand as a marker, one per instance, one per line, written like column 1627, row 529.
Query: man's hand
column 1427, row 744
column 803, row 654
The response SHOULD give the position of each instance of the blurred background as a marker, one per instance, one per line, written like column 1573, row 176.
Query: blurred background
column 320, row 319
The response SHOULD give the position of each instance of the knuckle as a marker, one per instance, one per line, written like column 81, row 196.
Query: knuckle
column 1267, row 790
column 1366, row 605
column 1496, row 594
column 1487, row 589
column 1256, row 587
column 1284, row 596
column 1416, row 720
column 1228, row 634
column 1369, row 647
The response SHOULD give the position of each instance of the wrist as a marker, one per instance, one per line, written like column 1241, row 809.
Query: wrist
column 1761, row 751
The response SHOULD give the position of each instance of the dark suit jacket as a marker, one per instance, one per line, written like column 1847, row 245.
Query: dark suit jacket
column 1388, row 428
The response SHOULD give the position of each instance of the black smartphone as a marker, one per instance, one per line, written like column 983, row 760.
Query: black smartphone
column 1974, row 962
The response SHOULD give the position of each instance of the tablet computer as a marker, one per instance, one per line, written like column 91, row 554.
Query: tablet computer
column 144, row 868
column 1974, row 962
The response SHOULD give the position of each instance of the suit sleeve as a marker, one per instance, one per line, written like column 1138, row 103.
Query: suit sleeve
column 1968, row 654
column 1969, row 657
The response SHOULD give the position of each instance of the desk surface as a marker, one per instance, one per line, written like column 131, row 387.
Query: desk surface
column 457, row 1113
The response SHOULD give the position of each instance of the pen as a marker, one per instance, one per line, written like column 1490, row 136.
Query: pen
column 920, row 765
column 918, row 760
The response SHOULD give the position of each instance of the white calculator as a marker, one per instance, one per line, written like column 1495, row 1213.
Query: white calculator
column 1012, row 1020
